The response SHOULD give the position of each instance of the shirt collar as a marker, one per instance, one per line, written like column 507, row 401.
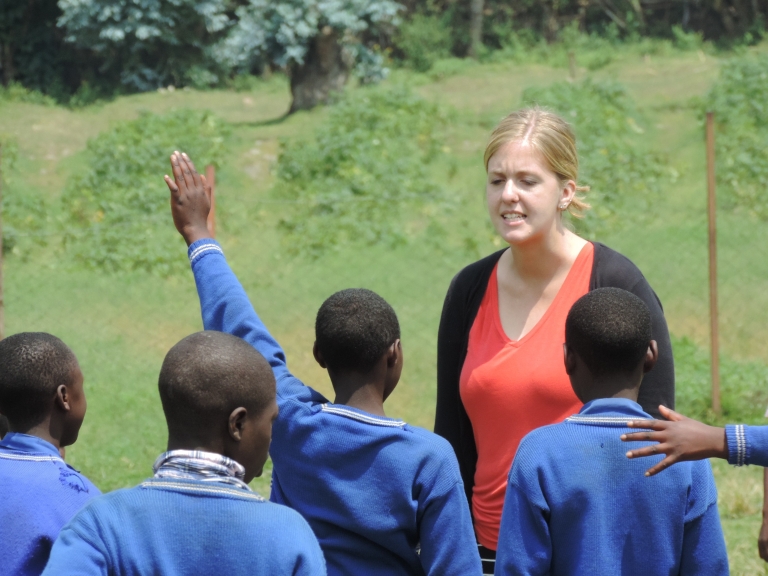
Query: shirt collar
column 28, row 444
column 199, row 465
column 609, row 411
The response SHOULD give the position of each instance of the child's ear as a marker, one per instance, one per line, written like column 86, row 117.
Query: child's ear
column 569, row 358
column 651, row 356
column 318, row 356
column 62, row 398
column 236, row 423
column 394, row 353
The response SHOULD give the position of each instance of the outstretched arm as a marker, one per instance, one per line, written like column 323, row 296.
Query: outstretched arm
column 223, row 302
column 678, row 437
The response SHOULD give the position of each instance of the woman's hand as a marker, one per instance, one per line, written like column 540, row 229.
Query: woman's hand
column 680, row 438
column 190, row 199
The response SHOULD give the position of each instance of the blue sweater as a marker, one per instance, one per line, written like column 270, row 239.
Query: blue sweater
column 185, row 527
column 576, row 505
column 39, row 493
column 747, row 444
column 383, row 497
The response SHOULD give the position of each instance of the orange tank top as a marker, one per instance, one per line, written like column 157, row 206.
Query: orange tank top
column 509, row 387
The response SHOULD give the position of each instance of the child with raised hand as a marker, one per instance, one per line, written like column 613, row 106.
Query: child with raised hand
column 575, row 505
column 197, row 515
column 383, row 497
column 42, row 397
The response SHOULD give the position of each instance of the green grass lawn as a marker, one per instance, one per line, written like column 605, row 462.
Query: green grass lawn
column 121, row 325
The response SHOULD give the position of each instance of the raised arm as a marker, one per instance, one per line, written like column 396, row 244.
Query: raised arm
column 223, row 302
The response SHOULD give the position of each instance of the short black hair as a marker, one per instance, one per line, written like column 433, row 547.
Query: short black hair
column 354, row 328
column 32, row 366
column 610, row 329
column 206, row 376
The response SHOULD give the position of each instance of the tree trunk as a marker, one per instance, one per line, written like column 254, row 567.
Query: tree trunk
column 325, row 70
column 9, row 72
column 475, row 27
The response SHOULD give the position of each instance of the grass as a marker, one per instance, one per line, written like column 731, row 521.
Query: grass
column 121, row 325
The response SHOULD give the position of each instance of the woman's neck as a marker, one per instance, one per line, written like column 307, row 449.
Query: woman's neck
column 542, row 258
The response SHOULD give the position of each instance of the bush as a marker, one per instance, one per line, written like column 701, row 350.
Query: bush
column 741, row 113
column 118, row 208
column 422, row 41
column 623, row 177
column 363, row 176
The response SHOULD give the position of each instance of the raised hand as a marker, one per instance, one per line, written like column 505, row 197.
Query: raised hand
column 678, row 437
column 190, row 199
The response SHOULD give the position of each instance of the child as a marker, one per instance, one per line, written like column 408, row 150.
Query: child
column 41, row 394
column 382, row 497
column 574, row 503
column 682, row 439
column 197, row 515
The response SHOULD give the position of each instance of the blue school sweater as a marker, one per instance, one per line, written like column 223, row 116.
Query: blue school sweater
column 747, row 444
column 39, row 493
column 185, row 528
column 576, row 505
column 382, row 497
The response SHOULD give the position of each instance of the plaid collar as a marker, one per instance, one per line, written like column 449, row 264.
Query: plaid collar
column 201, row 466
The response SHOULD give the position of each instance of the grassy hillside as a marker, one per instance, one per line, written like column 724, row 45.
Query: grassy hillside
column 121, row 325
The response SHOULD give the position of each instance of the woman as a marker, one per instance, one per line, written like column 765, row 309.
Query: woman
column 500, row 344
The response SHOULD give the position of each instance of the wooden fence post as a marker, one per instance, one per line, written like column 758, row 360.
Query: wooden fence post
column 210, row 176
column 713, row 311
column 2, row 302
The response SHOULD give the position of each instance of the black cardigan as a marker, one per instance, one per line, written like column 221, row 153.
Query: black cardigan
column 461, row 304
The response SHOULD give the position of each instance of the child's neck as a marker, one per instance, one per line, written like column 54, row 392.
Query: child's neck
column 613, row 386
column 366, row 396
column 44, row 431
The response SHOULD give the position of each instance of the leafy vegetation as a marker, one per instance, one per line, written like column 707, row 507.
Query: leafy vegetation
column 363, row 177
column 423, row 40
column 741, row 113
column 623, row 176
column 118, row 207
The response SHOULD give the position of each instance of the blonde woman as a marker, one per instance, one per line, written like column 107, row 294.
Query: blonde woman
column 500, row 344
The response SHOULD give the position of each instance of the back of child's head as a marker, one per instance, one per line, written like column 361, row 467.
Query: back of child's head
column 610, row 330
column 354, row 328
column 205, row 377
column 32, row 367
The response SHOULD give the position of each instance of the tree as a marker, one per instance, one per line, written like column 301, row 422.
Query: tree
column 319, row 42
column 146, row 44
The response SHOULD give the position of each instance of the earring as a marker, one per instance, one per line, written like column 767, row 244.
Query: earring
column 563, row 206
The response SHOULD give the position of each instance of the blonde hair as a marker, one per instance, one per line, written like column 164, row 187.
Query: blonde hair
column 552, row 137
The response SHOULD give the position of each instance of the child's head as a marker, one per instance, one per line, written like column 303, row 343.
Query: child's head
column 218, row 395
column 41, row 387
column 608, row 344
column 356, row 331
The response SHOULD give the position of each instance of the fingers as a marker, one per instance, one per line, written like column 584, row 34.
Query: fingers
column 670, row 414
column 647, row 424
column 643, row 437
column 663, row 465
column 648, row 451
column 207, row 187
column 178, row 174
column 191, row 167
column 171, row 185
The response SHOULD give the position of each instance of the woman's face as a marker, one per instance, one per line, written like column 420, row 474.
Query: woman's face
column 524, row 194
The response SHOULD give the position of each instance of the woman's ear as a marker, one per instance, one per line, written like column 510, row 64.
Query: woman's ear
column 236, row 423
column 567, row 193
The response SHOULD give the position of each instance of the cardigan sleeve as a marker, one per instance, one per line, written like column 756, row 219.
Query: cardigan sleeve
column 611, row 269
column 451, row 419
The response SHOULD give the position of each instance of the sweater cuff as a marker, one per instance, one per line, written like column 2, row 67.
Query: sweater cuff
column 737, row 444
column 201, row 248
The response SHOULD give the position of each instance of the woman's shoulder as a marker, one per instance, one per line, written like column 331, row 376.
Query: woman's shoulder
column 612, row 268
column 477, row 271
